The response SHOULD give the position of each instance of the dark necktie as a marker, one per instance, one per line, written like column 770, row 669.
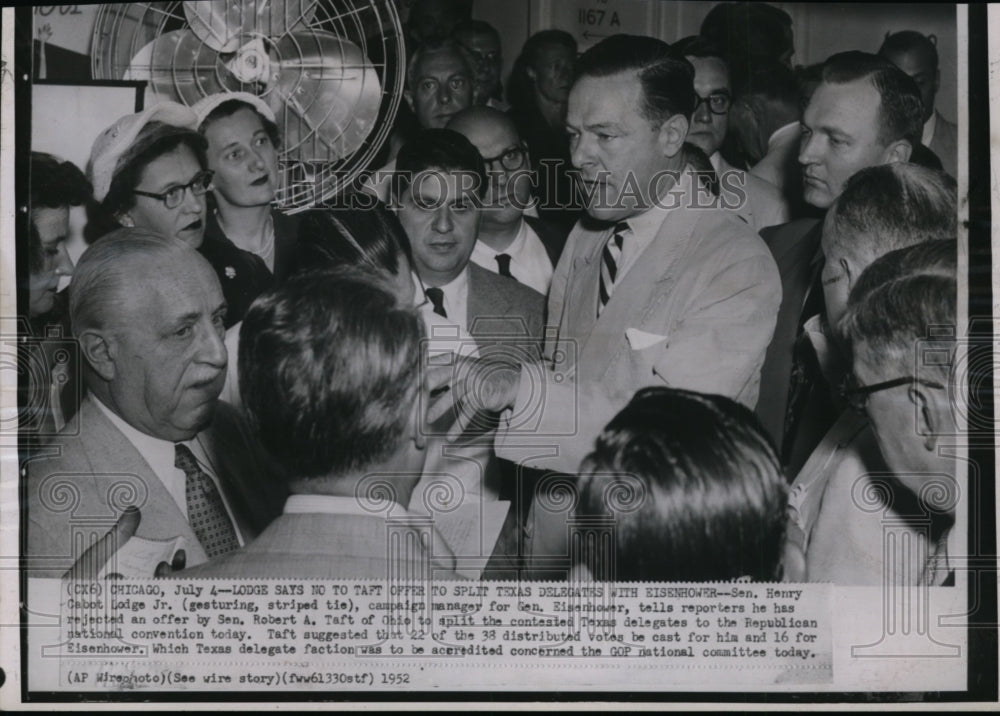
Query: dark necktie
column 806, row 373
column 503, row 264
column 436, row 295
column 610, row 258
column 206, row 513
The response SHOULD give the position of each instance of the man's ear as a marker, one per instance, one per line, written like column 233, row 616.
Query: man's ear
column 532, row 75
column 417, row 423
column 99, row 352
column 926, row 423
column 408, row 96
column 898, row 151
column 672, row 134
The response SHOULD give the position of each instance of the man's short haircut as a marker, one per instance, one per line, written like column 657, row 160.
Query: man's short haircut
column 427, row 49
column 366, row 238
column 894, row 303
column 443, row 150
column 694, row 487
column 231, row 107
column 476, row 27
column 891, row 206
column 698, row 46
column 749, row 31
column 94, row 293
column 768, row 81
column 667, row 79
column 900, row 109
column 520, row 86
column 910, row 41
column 54, row 184
column 329, row 368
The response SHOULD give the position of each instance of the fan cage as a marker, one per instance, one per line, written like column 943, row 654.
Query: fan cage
column 309, row 176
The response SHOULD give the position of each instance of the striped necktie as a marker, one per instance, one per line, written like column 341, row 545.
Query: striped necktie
column 206, row 513
column 610, row 258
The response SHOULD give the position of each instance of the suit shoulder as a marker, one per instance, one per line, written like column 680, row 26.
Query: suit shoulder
column 791, row 232
column 512, row 290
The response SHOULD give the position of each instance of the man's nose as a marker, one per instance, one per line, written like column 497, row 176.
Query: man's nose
column 64, row 264
column 702, row 113
column 442, row 221
column 580, row 151
column 809, row 149
column 444, row 93
column 213, row 348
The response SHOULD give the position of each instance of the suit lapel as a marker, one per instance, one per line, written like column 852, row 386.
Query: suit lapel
column 642, row 289
column 113, row 457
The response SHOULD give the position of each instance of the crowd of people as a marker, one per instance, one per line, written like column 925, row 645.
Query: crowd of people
column 679, row 290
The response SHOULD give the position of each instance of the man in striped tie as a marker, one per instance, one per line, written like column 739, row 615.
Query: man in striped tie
column 656, row 286
column 148, row 314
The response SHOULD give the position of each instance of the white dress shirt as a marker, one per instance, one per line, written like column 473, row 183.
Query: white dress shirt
column 456, row 301
column 645, row 226
column 160, row 456
column 929, row 126
column 529, row 261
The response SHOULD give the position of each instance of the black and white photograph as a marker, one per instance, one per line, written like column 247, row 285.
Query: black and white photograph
column 487, row 353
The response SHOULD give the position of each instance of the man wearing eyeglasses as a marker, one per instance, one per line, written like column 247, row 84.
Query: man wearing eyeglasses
column 480, row 42
column 511, row 242
column 882, row 210
column 754, row 200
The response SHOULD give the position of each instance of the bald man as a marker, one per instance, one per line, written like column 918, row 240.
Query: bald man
column 148, row 312
column 511, row 242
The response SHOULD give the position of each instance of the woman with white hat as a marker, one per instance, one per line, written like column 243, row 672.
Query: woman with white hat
column 243, row 146
column 149, row 170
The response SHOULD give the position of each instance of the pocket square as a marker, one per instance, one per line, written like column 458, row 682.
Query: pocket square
column 641, row 339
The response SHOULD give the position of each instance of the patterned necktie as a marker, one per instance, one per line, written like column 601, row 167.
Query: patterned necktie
column 610, row 257
column 206, row 512
column 503, row 263
column 436, row 295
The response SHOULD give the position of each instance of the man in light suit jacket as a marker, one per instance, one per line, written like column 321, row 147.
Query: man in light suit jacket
column 346, row 432
column 752, row 199
column 148, row 314
column 917, row 56
column 656, row 285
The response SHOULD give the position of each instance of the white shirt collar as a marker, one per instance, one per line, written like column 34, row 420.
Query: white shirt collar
column 160, row 455
column 782, row 134
column 646, row 226
column 334, row 505
column 929, row 126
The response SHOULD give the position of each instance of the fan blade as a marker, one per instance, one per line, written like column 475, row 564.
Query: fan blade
column 221, row 23
column 329, row 90
column 180, row 67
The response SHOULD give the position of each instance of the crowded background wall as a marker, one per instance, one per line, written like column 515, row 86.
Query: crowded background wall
column 821, row 29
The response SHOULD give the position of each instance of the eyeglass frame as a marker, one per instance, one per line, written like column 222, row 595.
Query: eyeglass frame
column 523, row 150
column 857, row 397
column 182, row 189
column 708, row 100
